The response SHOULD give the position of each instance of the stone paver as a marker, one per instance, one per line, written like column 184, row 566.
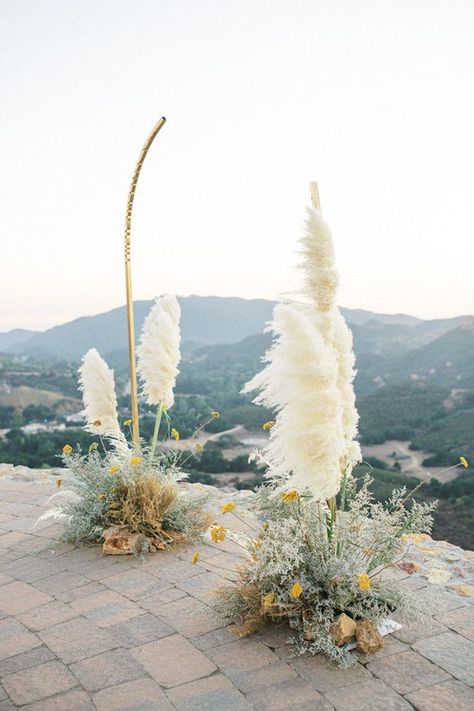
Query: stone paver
column 214, row 693
column 107, row 669
column 451, row 652
column 241, row 656
column 38, row 683
column 190, row 617
column 106, row 608
column 289, row 694
column 371, row 695
column 18, row 597
column 141, row 694
column 84, row 632
column 460, row 620
column 139, row 630
column 77, row 639
column 325, row 676
column 47, row 615
column 407, row 671
column 441, row 697
column 173, row 660
column 74, row 700
column 15, row 638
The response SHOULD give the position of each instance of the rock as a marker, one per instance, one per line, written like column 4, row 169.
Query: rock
column 343, row 629
column 118, row 541
column 463, row 589
column 438, row 576
column 368, row 637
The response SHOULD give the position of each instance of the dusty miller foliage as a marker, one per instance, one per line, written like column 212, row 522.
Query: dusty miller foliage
column 96, row 484
column 298, row 544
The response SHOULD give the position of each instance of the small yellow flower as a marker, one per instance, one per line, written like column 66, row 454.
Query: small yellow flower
column 268, row 600
column 114, row 469
column 135, row 461
column 67, row 449
column 101, row 496
column 290, row 495
column 175, row 434
column 215, row 414
column 97, row 423
column 268, row 425
column 296, row 591
column 230, row 506
column 199, row 447
column 363, row 582
column 127, row 423
column 93, row 446
column 195, row 558
column 464, row 462
column 59, row 483
column 218, row 533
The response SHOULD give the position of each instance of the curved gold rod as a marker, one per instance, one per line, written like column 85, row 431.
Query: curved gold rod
column 128, row 279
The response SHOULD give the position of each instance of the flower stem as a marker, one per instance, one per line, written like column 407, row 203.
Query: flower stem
column 159, row 414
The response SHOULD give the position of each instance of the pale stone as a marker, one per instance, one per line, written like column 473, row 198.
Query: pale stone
column 343, row 630
column 119, row 542
column 368, row 637
column 463, row 589
column 437, row 576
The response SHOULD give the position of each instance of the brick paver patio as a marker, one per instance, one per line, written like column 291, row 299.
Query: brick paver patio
column 84, row 632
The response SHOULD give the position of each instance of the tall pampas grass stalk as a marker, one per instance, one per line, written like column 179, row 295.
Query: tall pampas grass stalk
column 158, row 357
column 320, row 282
column 96, row 381
column 309, row 377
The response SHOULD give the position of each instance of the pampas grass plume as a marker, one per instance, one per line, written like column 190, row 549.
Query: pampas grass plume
column 158, row 352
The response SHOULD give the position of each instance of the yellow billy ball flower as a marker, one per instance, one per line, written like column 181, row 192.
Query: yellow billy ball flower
column 175, row 434
column 59, row 483
column 363, row 582
column 296, row 591
column 218, row 533
column 230, row 506
column 464, row 462
column 114, row 469
column 195, row 558
column 93, row 446
column 215, row 414
column 127, row 423
column 290, row 495
column 268, row 425
column 135, row 461
column 67, row 449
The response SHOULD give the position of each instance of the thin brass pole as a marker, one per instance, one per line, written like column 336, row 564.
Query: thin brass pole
column 128, row 279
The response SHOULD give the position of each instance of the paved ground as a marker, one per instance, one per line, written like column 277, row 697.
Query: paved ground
column 83, row 632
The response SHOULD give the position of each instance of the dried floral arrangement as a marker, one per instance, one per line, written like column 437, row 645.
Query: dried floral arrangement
column 317, row 560
column 125, row 495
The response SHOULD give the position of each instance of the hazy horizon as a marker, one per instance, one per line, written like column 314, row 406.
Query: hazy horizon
column 373, row 99
column 181, row 296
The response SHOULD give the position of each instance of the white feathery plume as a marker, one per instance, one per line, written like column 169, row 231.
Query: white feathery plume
column 300, row 382
column 320, row 278
column 309, row 377
column 158, row 352
column 96, row 381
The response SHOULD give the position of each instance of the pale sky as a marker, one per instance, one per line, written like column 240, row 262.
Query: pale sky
column 374, row 99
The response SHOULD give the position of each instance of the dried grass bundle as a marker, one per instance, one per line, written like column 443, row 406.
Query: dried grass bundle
column 141, row 506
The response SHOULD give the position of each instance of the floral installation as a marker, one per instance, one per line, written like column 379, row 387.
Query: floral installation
column 125, row 495
column 318, row 557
